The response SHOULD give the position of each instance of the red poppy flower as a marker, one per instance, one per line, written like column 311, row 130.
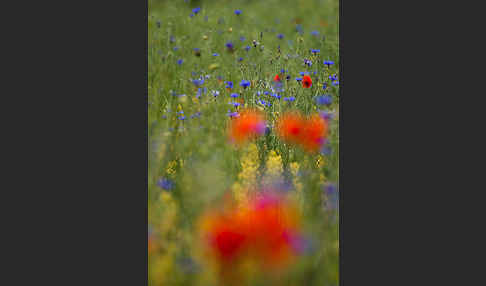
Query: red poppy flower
column 276, row 78
column 306, row 81
column 290, row 127
column 248, row 124
column 314, row 133
column 261, row 232
column 307, row 133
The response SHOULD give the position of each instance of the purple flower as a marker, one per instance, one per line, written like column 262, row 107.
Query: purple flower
column 280, row 36
column 326, row 115
column 315, row 51
column 229, row 84
column 324, row 99
column 232, row 114
column 234, row 95
column 240, row 59
column 245, row 83
column 242, row 38
column 289, row 98
column 298, row 79
column 315, row 33
column 196, row 10
column 328, row 63
column 165, row 184
column 180, row 61
column 198, row 82
column 237, row 12
column 247, row 48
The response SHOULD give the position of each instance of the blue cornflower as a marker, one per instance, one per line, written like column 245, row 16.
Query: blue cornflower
column 232, row 114
column 182, row 117
column 196, row 50
column 215, row 54
column 324, row 86
column 333, row 77
column 326, row 115
column 280, row 36
column 324, row 99
column 235, row 104
column 314, row 73
column 315, row 33
column 196, row 10
column 268, row 130
column 287, row 77
column 198, row 82
column 234, row 95
column 240, row 59
column 230, row 46
column 328, row 63
column 215, row 93
column 315, row 51
column 266, row 93
column 276, row 95
column 289, row 98
column 191, row 15
column 247, row 48
column 237, row 12
column 298, row 79
column 165, row 184
column 264, row 103
column 229, row 84
column 335, row 83
column 245, row 83
column 180, row 61
column 176, row 49
column 277, row 86
column 282, row 71
column 330, row 189
column 242, row 38
column 308, row 62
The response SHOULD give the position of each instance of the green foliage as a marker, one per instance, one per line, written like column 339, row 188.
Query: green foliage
column 195, row 154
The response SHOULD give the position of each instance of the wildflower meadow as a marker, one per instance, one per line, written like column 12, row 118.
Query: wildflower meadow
column 243, row 121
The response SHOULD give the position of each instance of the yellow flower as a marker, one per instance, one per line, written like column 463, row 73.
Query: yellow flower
column 248, row 175
column 171, row 167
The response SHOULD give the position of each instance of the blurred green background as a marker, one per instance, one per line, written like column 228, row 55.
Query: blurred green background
column 192, row 165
